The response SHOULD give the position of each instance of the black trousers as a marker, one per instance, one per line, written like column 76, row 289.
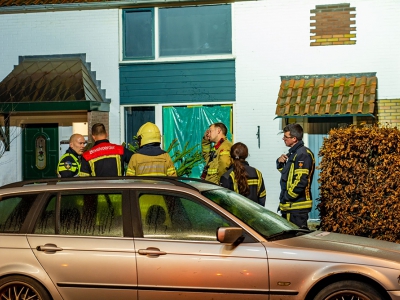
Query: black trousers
column 298, row 218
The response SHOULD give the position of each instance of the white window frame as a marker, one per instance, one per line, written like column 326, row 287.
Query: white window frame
column 158, row 59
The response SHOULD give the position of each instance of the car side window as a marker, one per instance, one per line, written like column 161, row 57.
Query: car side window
column 13, row 211
column 178, row 218
column 87, row 214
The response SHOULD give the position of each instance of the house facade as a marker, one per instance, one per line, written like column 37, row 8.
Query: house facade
column 254, row 65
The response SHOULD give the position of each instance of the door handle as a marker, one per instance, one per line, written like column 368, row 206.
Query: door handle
column 151, row 251
column 49, row 248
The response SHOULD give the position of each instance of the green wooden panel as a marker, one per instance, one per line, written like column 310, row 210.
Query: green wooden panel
column 151, row 83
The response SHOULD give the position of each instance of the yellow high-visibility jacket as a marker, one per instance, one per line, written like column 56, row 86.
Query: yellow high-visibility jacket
column 218, row 159
column 151, row 160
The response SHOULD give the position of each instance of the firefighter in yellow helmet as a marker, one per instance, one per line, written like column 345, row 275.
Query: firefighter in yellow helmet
column 150, row 159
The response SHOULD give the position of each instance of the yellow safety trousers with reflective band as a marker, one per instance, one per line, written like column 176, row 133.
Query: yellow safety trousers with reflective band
column 250, row 182
column 293, row 180
column 75, row 167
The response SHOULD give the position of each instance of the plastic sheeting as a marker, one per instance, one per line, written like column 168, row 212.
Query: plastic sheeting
column 188, row 123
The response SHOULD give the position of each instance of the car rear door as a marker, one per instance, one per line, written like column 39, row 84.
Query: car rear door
column 180, row 258
column 80, row 240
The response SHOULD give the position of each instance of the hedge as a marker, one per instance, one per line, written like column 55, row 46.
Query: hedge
column 360, row 182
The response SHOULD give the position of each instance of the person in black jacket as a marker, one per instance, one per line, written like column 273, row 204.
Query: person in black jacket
column 242, row 178
column 70, row 163
column 104, row 159
column 297, row 170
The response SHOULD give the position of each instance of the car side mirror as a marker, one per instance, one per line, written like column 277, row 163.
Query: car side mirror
column 230, row 235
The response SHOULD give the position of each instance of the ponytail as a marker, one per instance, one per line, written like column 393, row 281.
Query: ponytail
column 241, row 177
column 239, row 153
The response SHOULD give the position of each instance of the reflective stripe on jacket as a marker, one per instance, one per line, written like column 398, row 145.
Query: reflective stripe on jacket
column 69, row 164
column 255, row 181
column 296, row 178
column 105, row 159
column 220, row 162
column 144, row 165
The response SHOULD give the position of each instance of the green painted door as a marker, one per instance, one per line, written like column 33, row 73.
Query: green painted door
column 135, row 117
column 40, row 151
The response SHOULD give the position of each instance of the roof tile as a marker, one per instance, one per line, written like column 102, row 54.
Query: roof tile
column 326, row 96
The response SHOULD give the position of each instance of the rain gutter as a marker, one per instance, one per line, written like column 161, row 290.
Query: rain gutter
column 105, row 5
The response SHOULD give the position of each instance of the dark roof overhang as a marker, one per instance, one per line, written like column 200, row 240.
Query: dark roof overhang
column 54, row 106
column 332, row 95
column 52, row 83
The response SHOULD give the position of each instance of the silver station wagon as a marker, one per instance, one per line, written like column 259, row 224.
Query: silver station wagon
column 175, row 238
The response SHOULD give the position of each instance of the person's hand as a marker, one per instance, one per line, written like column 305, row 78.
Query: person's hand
column 207, row 134
column 283, row 158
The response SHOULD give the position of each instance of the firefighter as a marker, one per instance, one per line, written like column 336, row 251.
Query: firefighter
column 70, row 163
column 104, row 159
column 242, row 178
column 217, row 157
column 297, row 170
column 150, row 159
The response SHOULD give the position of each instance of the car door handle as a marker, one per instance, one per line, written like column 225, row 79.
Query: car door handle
column 151, row 251
column 49, row 248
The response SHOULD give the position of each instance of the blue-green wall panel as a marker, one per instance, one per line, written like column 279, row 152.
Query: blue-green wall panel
column 152, row 83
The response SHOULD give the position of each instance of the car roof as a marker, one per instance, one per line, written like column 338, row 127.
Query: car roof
column 109, row 182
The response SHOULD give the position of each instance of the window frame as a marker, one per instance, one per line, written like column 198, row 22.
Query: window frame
column 153, row 37
column 32, row 213
column 156, row 40
column 136, row 214
column 42, row 203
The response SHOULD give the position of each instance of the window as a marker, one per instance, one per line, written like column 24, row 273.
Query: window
column 13, row 211
column 178, row 218
column 195, row 30
column 182, row 31
column 82, row 214
column 138, row 34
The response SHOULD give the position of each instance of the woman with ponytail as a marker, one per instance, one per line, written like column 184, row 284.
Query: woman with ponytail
column 243, row 179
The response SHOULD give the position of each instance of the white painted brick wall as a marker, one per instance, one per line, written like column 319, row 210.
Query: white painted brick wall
column 272, row 38
column 94, row 33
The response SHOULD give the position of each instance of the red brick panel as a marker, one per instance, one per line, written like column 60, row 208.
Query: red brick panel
column 97, row 117
column 332, row 25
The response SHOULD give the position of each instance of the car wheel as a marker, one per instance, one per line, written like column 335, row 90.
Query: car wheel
column 22, row 288
column 349, row 289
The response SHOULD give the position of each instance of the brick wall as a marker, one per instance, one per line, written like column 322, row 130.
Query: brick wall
column 389, row 112
column 97, row 117
column 332, row 25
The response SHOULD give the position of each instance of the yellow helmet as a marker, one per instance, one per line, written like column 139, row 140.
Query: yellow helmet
column 149, row 133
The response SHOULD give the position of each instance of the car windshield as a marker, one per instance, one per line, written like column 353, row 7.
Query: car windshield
column 262, row 220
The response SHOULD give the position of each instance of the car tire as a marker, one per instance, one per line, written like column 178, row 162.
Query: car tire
column 22, row 288
column 348, row 289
